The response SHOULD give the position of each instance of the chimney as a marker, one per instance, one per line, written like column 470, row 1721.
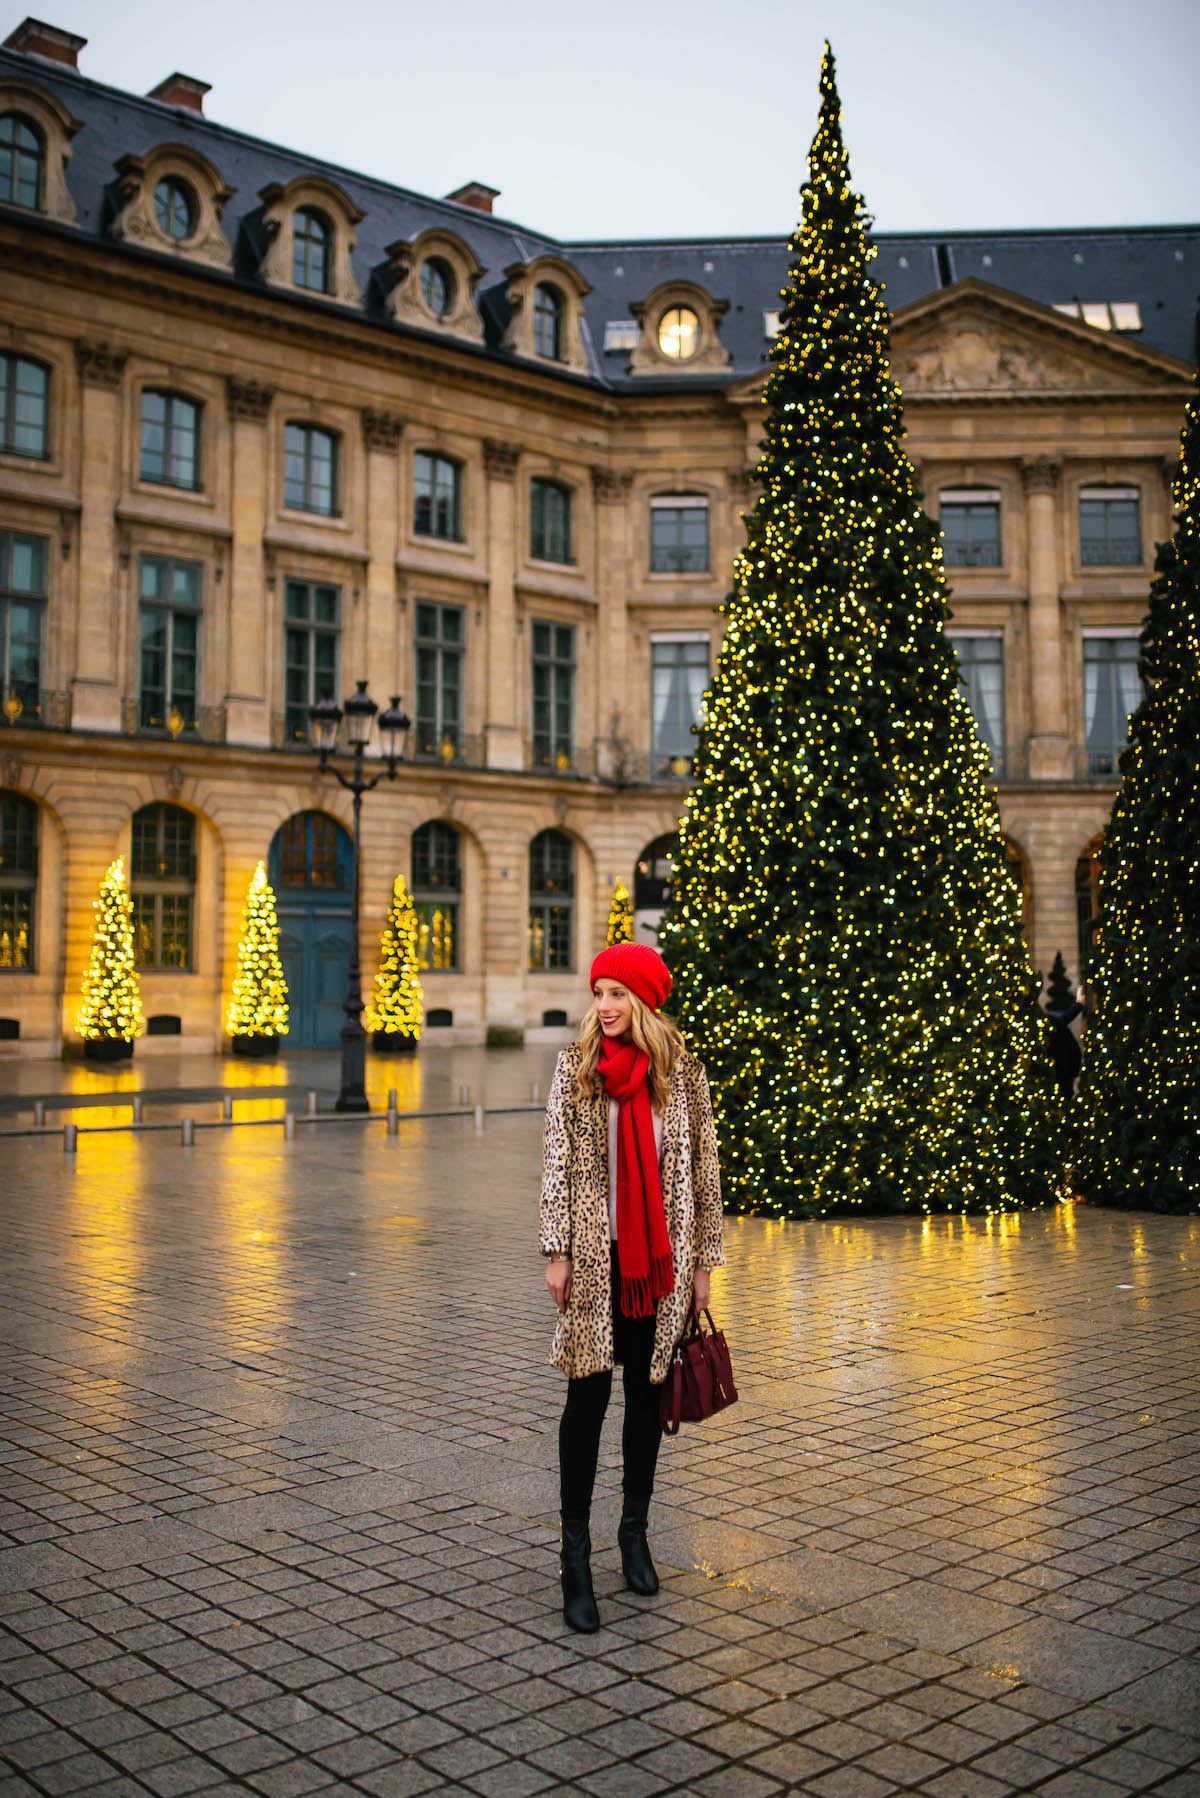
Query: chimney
column 33, row 38
column 475, row 194
column 182, row 90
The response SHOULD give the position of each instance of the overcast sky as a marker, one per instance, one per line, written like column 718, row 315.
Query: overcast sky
column 627, row 119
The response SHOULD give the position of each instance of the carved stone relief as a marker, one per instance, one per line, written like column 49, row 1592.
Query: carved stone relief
column 137, row 221
column 968, row 357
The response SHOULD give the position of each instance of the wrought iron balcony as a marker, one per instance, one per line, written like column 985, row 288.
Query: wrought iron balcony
column 1010, row 761
column 140, row 718
column 1100, row 764
column 451, row 750
column 565, row 761
column 29, row 707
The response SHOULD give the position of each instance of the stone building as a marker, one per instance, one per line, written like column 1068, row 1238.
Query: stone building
column 268, row 427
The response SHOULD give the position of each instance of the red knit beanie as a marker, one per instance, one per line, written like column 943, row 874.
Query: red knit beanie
column 637, row 966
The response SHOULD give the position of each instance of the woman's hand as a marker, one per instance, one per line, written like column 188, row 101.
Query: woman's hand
column 701, row 1289
column 558, row 1279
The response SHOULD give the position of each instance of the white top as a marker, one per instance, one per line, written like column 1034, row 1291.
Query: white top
column 613, row 1109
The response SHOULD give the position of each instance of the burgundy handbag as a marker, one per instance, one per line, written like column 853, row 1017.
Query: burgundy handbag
column 700, row 1378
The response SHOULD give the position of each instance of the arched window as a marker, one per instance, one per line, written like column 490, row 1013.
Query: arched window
column 548, row 311
column 175, row 208
column 679, row 333
column 22, row 158
column 437, row 285
column 1087, row 902
column 311, row 850
column 551, row 901
column 437, row 894
column 163, row 885
column 18, row 880
column 312, row 243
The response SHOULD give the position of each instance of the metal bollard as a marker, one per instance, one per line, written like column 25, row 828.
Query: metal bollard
column 391, row 1098
column 228, row 1108
column 39, row 1114
column 187, row 1132
column 137, row 1111
column 70, row 1138
column 464, row 1095
column 312, row 1105
column 479, row 1117
column 393, row 1121
column 289, row 1126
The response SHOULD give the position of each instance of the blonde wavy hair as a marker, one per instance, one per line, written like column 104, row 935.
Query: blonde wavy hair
column 657, row 1035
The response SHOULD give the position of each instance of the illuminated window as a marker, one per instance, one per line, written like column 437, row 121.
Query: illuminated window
column 18, row 880
column 436, row 894
column 551, row 901
column 175, row 208
column 22, row 154
column 168, row 644
column 162, row 881
column 679, row 333
column 24, row 562
column 312, row 244
column 620, row 334
column 548, row 310
column 1104, row 315
column 437, row 286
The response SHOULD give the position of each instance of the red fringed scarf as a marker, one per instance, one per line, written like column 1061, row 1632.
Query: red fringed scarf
column 643, row 1246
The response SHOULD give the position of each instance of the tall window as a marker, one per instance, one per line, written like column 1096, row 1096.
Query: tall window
column 437, row 894
column 310, row 469
column 169, row 644
column 162, row 886
column 437, row 483
column 175, row 208
column 679, row 534
column 440, row 655
column 24, row 561
column 549, row 522
column 312, row 613
column 312, row 241
column 170, row 439
column 981, row 670
column 551, row 900
column 1112, row 689
column 1110, row 527
column 970, row 520
column 678, row 677
column 24, row 407
column 553, row 683
column 548, row 321
column 22, row 153
column 18, row 879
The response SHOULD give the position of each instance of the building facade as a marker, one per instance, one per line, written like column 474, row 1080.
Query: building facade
column 268, row 428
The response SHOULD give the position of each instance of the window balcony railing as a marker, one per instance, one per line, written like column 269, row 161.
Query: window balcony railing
column 1010, row 761
column 1099, row 764
column 206, row 725
column 27, row 707
column 565, row 762
column 457, row 751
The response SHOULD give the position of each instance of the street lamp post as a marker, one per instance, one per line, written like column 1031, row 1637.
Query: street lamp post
column 324, row 718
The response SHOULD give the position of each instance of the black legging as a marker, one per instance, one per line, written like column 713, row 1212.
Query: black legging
column 583, row 1416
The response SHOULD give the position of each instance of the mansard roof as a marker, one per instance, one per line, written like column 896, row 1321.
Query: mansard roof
column 1155, row 266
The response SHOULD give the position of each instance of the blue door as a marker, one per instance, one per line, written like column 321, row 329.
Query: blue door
column 311, row 868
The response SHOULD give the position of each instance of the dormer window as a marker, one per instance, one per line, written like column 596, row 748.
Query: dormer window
column 22, row 157
column 175, row 209
column 679, row 333
column 547, row 322
column 437, row 286
column 311, row 244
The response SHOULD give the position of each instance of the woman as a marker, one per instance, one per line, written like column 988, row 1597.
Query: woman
column 630, row 1227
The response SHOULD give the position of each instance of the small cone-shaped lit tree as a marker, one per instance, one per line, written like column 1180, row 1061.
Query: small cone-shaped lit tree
column 110, row 1015
column 620, row 916
column 1140, row 1143
column 843, row 930
column 396, row 1005
column 258, row 1008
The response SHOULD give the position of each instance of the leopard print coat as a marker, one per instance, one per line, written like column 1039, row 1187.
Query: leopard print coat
column 574, row 1211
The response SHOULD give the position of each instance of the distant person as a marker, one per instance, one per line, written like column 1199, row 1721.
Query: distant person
column 631, row 1226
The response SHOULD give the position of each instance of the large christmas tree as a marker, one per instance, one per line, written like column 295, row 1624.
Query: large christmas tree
column 111, row 1008
column 258, row 1006
column 395, row 1008
column 1140, row 1145
column 844, row 932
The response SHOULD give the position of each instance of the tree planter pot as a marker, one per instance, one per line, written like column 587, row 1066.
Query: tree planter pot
column 389, row 1042
column 254, row 1045
column 107, row 1048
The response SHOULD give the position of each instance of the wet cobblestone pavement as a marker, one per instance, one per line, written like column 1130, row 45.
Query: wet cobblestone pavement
column 278, row 1493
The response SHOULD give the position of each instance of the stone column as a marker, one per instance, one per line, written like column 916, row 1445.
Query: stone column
column 1049, row 738
column 503, row 727
column 251, row 617
column 381, row 647
column 616, row 707
column 96, row 685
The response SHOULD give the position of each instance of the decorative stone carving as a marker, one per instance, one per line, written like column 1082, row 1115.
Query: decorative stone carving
column 710, row 353
column 406, row 301
column 99, row 364
column 10, row 769
column 500, row 459
column 524, row 279
column 57, row 127
column 970, row 356
column 1041, row 474
column 381, row 430
column 280, row 206
column 611, row 485
column 137, row 222
column 248, row 399
column 174, row 780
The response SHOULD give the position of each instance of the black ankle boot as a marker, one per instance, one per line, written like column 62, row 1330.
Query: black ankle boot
column 575, row 1565
column 636, row 1564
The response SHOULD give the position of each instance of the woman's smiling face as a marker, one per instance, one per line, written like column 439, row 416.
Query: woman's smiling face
column 614, row 1006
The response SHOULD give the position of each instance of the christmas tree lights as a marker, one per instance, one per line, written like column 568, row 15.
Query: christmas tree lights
column 396, row 1005
column 1140, row 1145
column 258, row 1008
column 620, row 916
column 844, row 931
column 111, row 1009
